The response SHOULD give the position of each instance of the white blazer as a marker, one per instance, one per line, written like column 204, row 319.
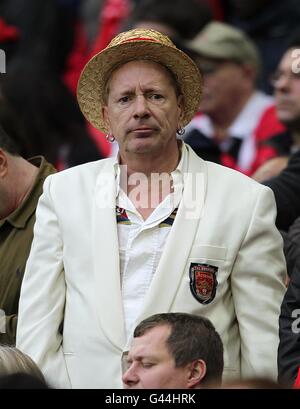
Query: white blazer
column 70, row 314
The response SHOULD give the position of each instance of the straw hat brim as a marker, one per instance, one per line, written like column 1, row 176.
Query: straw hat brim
column 94, row 77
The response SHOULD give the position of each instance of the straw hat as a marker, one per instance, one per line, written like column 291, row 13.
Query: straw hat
column 135, row 45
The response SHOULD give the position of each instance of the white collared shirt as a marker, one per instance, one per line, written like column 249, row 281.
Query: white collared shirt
column 141, row 242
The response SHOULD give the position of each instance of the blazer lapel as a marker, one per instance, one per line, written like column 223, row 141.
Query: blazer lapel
column 172, row 264
column 106, row 258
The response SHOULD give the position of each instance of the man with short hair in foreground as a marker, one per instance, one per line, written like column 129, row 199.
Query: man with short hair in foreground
column 174, row 351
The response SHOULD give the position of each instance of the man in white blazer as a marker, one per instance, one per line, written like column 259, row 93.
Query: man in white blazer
column 156, row 229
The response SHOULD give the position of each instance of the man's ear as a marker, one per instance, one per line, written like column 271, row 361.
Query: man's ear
column 197, row 373
column 3, row 163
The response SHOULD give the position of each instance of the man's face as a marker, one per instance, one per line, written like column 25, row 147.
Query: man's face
column 143, row 111
column 223, row 83
column 150, row 364
column 287, row 90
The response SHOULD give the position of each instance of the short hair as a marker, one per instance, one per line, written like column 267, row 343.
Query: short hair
column 8, row 144
column 192, row 337
column 13, row 361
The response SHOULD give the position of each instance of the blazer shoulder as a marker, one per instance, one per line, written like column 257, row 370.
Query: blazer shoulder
column 85, row 170
column 229, row 175
column 79, row 179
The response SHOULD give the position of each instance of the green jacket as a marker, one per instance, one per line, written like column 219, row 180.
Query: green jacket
column 16, row 234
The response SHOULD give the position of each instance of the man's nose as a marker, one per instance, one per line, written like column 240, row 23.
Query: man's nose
column 130, row 377
column 141, row 108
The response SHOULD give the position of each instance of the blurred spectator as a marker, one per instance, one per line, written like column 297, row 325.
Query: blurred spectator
column 286, row 188
column 286, row 83
column 269, row 24
column 21, row 184
column 234, row 117
column 112, row 16
column 181, row 19
column 13, row 361
column 9, row 36
column 41, row 107
column 180, row 351
column 289, row 330
column 291, row 247
column 286, row 185
column 270, row 168
column 90, row 11
column 43, row 113
column 46, row 30
column 10, row 122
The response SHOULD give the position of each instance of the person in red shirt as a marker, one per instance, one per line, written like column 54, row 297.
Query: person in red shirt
column 234, row 117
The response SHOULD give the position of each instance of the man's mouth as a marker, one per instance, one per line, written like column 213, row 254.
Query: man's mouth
column 142, row 132
column 284, row 104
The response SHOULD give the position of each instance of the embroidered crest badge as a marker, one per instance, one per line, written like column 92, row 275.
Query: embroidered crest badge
column 203, row 282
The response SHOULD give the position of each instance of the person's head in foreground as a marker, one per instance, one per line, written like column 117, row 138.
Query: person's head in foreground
column 174, row 351
column 141, row 90
column 13, row 361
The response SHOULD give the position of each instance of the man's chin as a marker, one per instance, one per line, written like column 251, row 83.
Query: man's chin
column 142, row 146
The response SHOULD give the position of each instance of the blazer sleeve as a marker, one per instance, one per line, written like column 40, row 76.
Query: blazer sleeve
column 42, row 300
column 289, row 331
column 257, row 282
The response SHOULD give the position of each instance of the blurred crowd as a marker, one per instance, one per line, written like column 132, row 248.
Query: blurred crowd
column 248, row 119
column 48, row 43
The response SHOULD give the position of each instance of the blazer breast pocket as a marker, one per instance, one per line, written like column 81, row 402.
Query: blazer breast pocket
column 208, row 252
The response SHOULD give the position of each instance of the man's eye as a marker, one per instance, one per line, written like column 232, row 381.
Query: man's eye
column 156, row 96
column 147, row 364
column 124, row 99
